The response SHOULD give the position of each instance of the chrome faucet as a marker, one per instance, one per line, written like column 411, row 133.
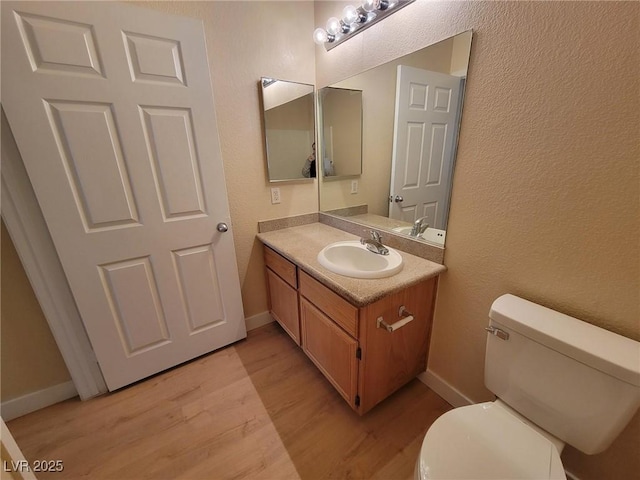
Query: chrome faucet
column 374, row 244
column 419, row 227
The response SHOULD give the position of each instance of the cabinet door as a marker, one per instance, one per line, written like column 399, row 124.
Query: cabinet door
column 283, row 305
column 331, row 349
column 391, row 359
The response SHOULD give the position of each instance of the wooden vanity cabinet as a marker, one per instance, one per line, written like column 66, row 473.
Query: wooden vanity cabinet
column 363, row 360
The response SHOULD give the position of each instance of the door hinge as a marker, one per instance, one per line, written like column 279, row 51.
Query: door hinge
column 359, row 353
column 357, row 400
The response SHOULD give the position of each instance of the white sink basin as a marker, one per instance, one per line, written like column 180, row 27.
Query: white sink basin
column 432, row 235
column 352, row 259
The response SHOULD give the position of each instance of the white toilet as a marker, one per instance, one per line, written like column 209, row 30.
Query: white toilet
column 558, row 380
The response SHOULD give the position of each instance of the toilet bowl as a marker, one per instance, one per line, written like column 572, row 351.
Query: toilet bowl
column 487, row 441
column 541, row 365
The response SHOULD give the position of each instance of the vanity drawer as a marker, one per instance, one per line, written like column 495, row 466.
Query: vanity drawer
column 332, row 304
column 280, row 265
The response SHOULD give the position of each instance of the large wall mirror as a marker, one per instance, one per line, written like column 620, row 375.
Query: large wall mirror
column 289, row 124
column 411, row 113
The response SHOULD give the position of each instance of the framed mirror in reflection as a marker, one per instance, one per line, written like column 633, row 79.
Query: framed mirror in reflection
column 411, row 113
column 341, row 132
column 289, row 124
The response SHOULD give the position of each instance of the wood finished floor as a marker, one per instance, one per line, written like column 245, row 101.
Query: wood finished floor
column 257, row 410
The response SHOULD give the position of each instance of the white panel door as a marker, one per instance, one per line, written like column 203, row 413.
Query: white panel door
column 423, row 145
column 112, row 110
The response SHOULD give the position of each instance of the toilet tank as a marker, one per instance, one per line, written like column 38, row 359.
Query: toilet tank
column 577, row 381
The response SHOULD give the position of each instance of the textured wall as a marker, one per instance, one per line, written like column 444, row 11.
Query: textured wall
column 30, row 357
column 246, row 41
column 546, row 190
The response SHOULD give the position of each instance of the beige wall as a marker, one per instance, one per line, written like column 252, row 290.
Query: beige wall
column 246, row 41
column 546, row 187
column 460, row 54
column 29, row 356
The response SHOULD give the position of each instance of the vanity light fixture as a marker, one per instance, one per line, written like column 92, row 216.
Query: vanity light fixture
column 354, row 20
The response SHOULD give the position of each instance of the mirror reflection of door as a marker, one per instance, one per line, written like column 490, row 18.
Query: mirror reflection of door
column 426, row 115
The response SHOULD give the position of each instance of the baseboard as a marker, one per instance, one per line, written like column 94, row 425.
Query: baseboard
column 31, row 402
column 449, row 393
column 258, row 320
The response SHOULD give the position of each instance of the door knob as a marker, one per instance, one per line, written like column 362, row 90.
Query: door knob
column 222, row 227
column 398, row 199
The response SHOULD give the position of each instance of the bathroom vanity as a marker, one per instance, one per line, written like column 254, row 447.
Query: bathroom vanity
column 368, row 337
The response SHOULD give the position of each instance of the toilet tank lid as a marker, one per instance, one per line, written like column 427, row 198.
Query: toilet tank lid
column 601, row 349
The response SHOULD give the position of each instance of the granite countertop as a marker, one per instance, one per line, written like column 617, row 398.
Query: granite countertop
column 302, row 244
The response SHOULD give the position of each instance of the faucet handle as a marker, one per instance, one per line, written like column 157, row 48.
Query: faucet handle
column 419, row 226
column 376, row 236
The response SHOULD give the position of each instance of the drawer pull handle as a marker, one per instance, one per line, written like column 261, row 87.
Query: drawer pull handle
column 402, row 313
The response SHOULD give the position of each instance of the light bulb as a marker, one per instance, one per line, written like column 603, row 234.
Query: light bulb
column 369, row 5
column 320, row 36
column 350, row 15
column 333, row 26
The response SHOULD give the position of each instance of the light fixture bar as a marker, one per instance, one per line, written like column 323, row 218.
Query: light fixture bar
column 369, row 13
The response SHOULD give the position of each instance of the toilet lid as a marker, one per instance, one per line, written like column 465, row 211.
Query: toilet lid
column 485, row 441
